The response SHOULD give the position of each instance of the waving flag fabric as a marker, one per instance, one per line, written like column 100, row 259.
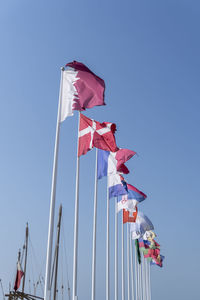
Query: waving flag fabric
column 135, row 231
column 134, row 193
column 151, row 251
column 110, row 163
column 115, row 186
column 129, row 216
column 96, row 134
column 129, row 205
column 143, row 244
column 131, row 199
column 141, row 225
column 19, row 276
column 122, row 156
column 149, row 235
column 81, row 89
column 158, row 261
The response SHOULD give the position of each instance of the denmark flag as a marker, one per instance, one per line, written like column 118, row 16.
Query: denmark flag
column 96, row 134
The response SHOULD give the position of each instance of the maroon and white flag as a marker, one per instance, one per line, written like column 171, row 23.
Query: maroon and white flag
column 96, row 134
column 80, row 89
column 19, row 276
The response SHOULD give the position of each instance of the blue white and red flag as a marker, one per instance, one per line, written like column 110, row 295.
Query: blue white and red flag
column 110, row 163
column 131, row 199
column 134, row 193
column 115, row 186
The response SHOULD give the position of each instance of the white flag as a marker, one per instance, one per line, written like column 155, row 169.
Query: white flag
column 128, row 204
column 141, row 225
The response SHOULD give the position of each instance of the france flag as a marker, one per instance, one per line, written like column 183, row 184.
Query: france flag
column 108, row 164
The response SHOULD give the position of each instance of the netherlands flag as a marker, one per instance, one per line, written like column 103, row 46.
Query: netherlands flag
column 111, row 164
column 115, row 186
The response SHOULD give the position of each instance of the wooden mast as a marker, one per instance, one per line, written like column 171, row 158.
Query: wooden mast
column 25, row 262
column 2, row 290
column 57, row 252
column 14, row 295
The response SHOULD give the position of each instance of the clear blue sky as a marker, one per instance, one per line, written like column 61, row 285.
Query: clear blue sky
column 148, row 54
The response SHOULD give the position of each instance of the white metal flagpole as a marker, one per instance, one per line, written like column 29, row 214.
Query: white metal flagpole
column 74, row 288
column 149, row 274
column 94, row 231
column 146, row 278
column 143, row 276
column 123, row 259
column 128, row 263
column 132, row 277
column 139, row 282
column 136, row 274
column 140, row 275
column 47, row 288
column 107, row 250
column 116, row 250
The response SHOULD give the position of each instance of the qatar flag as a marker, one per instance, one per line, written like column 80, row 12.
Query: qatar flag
column 19, row 276
column 96, row 134
column 80, row 89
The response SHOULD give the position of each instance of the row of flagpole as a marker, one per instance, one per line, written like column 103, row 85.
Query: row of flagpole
column 139, row 286
column 142, row 271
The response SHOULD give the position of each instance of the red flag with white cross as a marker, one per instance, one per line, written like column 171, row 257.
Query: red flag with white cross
column 95, row 134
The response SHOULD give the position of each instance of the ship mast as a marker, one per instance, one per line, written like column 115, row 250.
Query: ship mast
column 57, row 252
column 16, row 294
column 25, row 261
column 2, row 290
